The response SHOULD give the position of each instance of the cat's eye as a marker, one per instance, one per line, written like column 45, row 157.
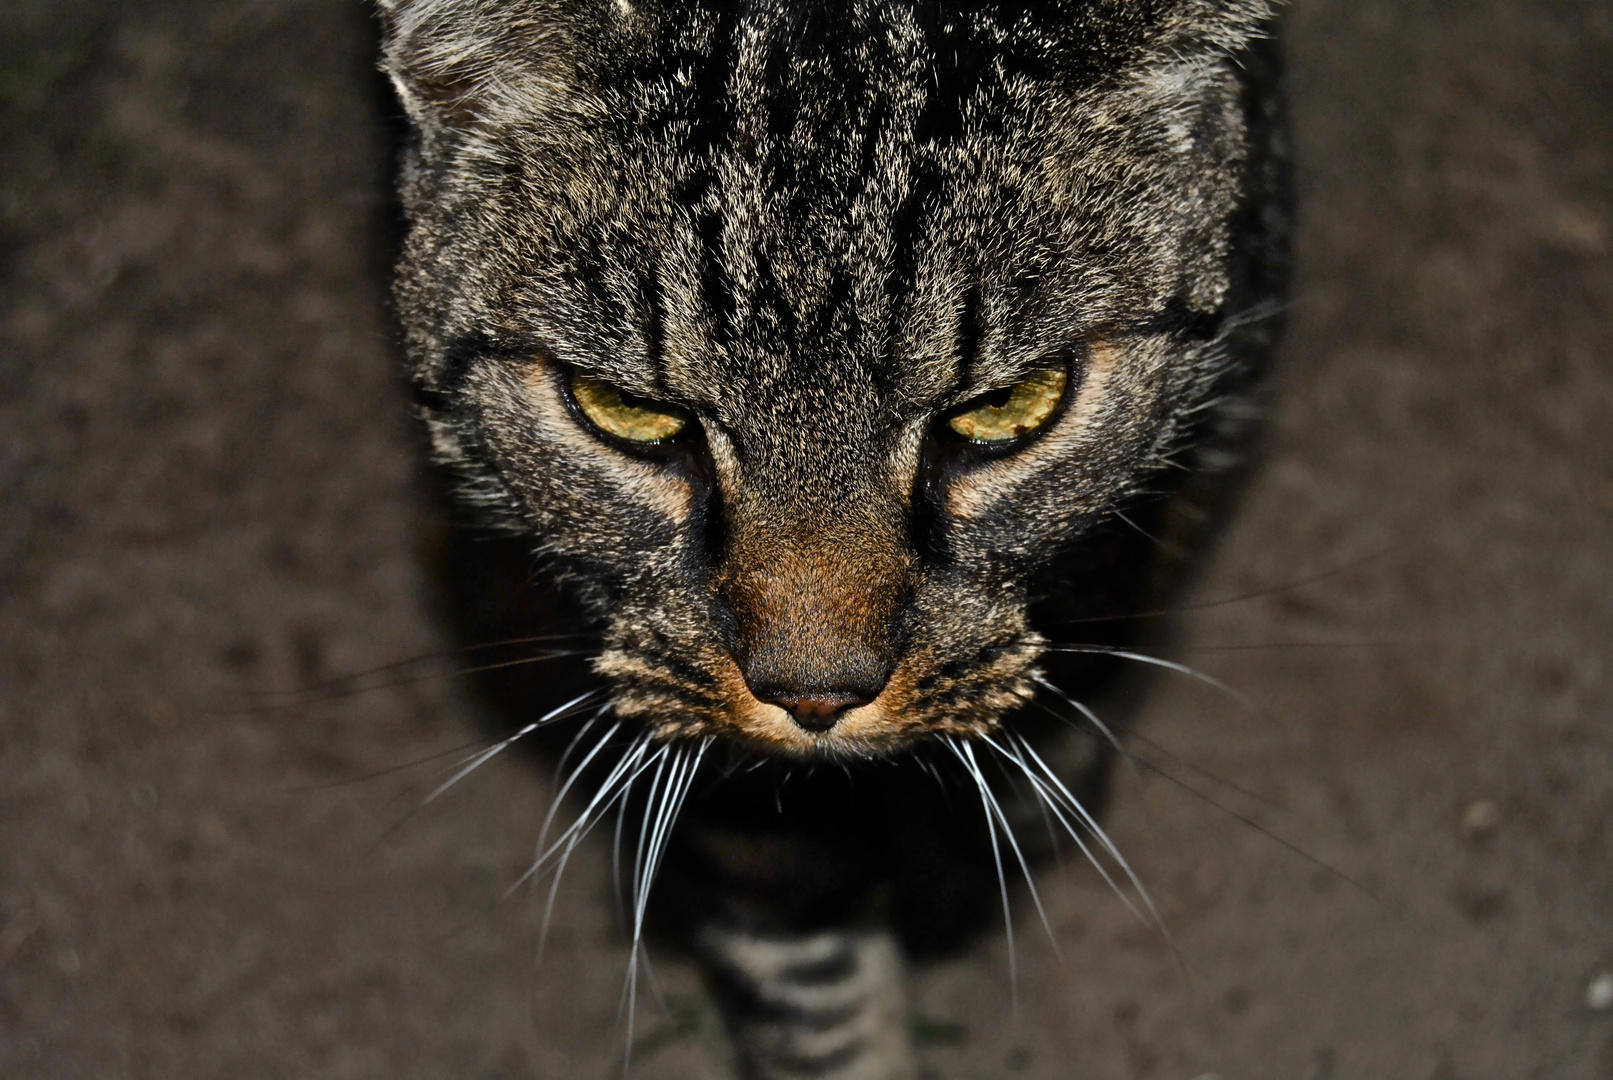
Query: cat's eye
column 1013, row 412
column 626, row 416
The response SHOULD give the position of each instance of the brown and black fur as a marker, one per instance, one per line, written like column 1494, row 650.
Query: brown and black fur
column 818, row 227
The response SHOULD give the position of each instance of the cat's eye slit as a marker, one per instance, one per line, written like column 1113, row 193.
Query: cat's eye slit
column 1012, row 412
column 624, row 415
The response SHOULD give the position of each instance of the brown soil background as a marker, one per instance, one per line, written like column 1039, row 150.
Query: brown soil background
column 209, row 485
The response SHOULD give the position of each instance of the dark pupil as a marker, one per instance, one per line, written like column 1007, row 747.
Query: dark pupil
column 633, row 401
column 996, row 399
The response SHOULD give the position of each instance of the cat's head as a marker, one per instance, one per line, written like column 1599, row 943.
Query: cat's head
column 801, row 334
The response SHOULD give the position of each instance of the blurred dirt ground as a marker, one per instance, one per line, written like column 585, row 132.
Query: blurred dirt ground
column 209, row 487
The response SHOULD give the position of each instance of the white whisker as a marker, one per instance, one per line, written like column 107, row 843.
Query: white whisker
column 1169, row 665
column 610, row 789
column 1002, row 879
column 560, row 794
column 582, row 733
column 1091, row 716
column 995, row 807
column 477, row 760
column 616, row 858
column 543, row 835
column 685, row 763
column 1096, row 831
column 1055, row 804
column 654, row 807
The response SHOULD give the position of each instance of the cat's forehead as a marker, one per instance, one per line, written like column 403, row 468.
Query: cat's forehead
column 827, row 203
column 889, row 202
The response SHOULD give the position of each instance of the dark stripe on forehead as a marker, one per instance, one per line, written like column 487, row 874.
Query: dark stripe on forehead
column 778, row 329
column 829, row 79
column 716, row 291
column 709, row 127
column 679, row 81
column 957, row 64
column 1075, row 40
column 970, row 331
column 654, row 318
column 836, row 317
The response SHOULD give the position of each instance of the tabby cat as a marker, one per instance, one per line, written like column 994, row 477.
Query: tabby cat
column 836, row 354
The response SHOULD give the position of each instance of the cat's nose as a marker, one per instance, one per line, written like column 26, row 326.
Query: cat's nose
column 812, row 619
column 817, row 710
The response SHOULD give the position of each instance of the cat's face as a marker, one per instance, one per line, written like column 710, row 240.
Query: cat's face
column 802, row 334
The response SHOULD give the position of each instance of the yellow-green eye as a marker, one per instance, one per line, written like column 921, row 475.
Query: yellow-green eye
column 626, row 416
column 1014, row 412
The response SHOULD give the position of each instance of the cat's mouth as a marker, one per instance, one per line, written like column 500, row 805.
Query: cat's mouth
column 880, row 726
column 924, row 698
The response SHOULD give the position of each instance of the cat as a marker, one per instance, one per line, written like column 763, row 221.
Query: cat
column 834, row 356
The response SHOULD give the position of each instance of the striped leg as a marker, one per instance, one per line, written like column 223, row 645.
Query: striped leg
column 829, row 1005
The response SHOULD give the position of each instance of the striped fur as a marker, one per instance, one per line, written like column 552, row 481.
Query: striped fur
column 827, row 1005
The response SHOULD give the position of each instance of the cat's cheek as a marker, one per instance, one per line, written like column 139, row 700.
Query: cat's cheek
column 983, row 492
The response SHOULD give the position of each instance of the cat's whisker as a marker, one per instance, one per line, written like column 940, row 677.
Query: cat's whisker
column 1169, row 665
column 412, row 661
column 436, row 676
column 1255, row 825
column 571, row 777
column 465, row 765
column 1054, row 805
column 616, row 859
column 995, row 807
column 581, row 733
column 1173, row 550
column 1063, row 795
column 1201, row 771
column 614, row 786
column 1002, row 879
column 1254, row 313
column 1054, row 786
column 390, row 769
column 568, row 841
column 1225, row 601
column 554, row 808
column 1261, row 646
column 658, row 812
column 476, row 761
column 685, row 764
column 679, row 790
column 616, row 789
column 657, row 794
column 928, row 767
column 656, row 786
column 1016, row 783
column 652, row 846
column 1143, row 763
column 1052, row 830
column 1082, row 708
column 1139, row 763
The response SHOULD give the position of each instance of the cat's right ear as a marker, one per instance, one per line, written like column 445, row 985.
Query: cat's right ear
column 437, row 62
